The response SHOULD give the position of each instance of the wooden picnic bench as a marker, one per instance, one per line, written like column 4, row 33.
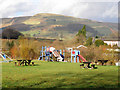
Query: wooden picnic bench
column 24, row 62
column 87, row 64
column 103, row 61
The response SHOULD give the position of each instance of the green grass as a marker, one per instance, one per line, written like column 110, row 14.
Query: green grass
column 31, row 32
column 58, row 75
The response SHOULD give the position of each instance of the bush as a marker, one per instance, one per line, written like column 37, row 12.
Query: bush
column 10, row 33
column 25, row 49
column 99, row 42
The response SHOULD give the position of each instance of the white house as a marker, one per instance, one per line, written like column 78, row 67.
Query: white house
column 112, row 42
column 70, row 48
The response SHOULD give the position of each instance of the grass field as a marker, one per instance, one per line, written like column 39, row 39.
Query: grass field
column 58, row 75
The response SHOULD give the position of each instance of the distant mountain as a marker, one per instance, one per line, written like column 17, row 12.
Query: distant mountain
column 54, row 25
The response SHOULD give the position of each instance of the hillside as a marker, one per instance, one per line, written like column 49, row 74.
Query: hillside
column 54, row 25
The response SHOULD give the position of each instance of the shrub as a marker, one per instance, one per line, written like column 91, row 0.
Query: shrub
column 99, row 42
column 25, row 49
column 10, row 33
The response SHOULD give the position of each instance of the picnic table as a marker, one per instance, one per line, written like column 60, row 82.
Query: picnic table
column 103, row 61
column 24, row 62
column 87, row 64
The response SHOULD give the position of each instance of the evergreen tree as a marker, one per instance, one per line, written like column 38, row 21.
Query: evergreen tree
column 89, row 41
column 81, row 36
column 82, row 31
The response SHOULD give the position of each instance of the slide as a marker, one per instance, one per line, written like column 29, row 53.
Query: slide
column 5, row 57
column 84, row 60
column 56, row 54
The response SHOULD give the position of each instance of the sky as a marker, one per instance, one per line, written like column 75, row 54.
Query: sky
column 97, row 10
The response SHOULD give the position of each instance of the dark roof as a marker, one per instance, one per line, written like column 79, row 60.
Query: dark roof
column 111, row 39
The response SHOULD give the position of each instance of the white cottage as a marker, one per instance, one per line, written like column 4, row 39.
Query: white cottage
column 112, row 41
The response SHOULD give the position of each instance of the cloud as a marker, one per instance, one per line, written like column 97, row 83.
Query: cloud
column 95, row 9
column 10, row 7
column 111, row 11
column 91, row 9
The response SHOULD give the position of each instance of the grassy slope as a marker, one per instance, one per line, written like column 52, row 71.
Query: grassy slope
column 44, row 22
column 53, row 19
column 58, row 74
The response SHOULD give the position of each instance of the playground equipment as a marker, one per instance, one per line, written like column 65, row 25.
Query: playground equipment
column 48, row 52
column 43, row 53
column 77, row 56
column 4, row 57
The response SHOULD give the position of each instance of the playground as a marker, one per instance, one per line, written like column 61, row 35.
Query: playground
column 58, row 75
column 51, row 54
column 57, row 69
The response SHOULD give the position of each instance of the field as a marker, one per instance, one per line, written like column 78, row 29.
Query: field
column 58, row 75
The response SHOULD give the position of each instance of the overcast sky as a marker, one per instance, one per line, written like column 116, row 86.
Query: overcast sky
column 98, row 10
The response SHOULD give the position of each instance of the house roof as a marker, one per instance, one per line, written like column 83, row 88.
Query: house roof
column 81, row 46
column 111, row 39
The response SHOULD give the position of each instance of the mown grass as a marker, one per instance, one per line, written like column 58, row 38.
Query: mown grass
column 58, row 75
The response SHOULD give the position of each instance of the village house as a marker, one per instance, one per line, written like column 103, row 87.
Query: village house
column 112, row 41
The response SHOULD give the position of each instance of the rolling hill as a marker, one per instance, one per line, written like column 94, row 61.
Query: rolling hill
column 54, row 25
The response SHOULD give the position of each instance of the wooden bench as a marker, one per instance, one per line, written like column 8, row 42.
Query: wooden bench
column 22, row 62
column 103, row 61
column 93, row 66
column 87, row 64
column 81, row 65
column 32, row 63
